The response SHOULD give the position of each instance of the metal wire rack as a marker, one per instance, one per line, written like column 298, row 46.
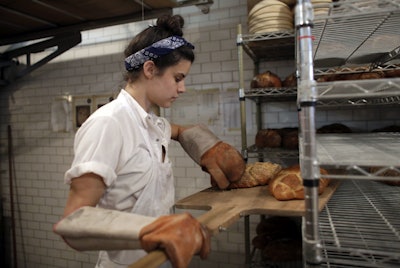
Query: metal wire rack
column 356, row 153
column 360, row 226
column 272, row 94
column 356, row 32
column 268, row 46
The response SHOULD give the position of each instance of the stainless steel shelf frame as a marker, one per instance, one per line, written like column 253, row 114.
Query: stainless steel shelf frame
column 263, row 47
column 351, row 33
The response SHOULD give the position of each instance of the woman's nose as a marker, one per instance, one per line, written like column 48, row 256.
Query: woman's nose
column 181, row 87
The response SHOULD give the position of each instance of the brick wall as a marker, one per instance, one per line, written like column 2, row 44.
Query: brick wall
column 41, row 156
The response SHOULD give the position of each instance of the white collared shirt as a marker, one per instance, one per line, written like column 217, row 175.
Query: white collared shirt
column 111, row 144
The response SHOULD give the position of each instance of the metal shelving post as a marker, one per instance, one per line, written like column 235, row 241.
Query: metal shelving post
column 239, row 43
column 306, row 100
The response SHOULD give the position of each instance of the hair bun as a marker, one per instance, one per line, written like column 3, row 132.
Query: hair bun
column 172, row 24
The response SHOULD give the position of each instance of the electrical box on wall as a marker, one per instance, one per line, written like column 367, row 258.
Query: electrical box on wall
column 70, row 112
column 84, row 106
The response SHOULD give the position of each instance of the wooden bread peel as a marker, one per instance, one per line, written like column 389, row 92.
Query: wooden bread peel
column 226, row 207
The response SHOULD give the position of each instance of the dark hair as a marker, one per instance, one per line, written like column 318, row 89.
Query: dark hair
column 166, row 26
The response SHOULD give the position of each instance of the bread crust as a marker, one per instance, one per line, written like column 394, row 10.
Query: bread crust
column 266, row 79
column 288, row 184
column 387, row 173
column 256, row 174
column 268, row 138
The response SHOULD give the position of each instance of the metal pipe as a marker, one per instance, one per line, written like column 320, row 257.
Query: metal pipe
column 242, row 100
column 306, row 101
column 10, row 170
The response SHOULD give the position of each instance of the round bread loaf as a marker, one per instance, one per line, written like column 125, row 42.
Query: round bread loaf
column 256, row 174
column 290, row 80
column 362, row 76
column 288, row 184
column 283, row 250
column 334, row 128
column 392, row 73
column 351, row 76
column 387, row 173
column 266, row 79
column 290, row 137
column 268, row 138
column 275, row 228
column 391, row 128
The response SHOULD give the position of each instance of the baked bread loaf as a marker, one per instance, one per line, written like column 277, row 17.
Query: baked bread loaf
column 290, row 80
column 288, row 184
column 387, row 173
column 391, row 128
column 290, row 138
column 268, row 138
column 355, row 73
column 392, row 73
column 283, row 250
column 266, row 79
column 256, row 174
column 278, row 239
column 275, row 228
column 334, row 128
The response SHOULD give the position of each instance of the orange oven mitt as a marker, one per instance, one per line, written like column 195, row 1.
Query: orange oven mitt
column 181, row 236
column 221, row 160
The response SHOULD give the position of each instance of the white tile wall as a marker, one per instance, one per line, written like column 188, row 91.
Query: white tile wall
column 41, row 156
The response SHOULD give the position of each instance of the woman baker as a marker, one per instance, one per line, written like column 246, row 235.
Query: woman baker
column 121, row 183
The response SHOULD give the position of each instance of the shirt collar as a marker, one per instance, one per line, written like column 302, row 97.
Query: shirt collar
column 144, row 116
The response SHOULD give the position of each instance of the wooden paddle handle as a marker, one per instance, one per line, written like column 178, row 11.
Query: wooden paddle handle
column 152, row 260
column 211, row 219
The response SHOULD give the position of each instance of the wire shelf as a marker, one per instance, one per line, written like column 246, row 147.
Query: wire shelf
column 268, row 46
column 356, row 32
column 272, row 94
column 356, row 153
column 370, row 88
column 360, row 226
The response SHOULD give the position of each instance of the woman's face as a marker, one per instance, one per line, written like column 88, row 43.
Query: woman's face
column 168, row 85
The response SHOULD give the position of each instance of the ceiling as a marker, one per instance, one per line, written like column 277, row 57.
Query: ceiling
column 33, row 19
column 58, row 23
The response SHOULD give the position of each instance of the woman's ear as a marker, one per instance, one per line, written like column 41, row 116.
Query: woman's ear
column 149, row 69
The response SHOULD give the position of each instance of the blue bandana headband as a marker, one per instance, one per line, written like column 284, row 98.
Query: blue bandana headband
column 154, row 51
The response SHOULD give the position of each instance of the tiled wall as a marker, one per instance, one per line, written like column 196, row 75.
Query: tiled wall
column 41, row 156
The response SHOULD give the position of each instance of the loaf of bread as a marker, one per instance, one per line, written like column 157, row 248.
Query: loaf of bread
column 278, row 239
column 269, row 138
column 392, row 73
column 283, row 250
column 354, row 73
column 391, row 128
column 275, row 228
column 334, row 128
column 256, row 174
column 290, row 137
column 288, row 184
column 290, row 81
column 266, row 79
column 387, row 173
